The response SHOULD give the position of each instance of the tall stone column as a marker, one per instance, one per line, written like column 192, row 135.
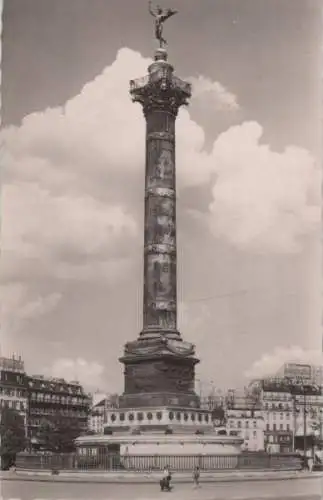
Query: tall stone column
column 161, row 95
column 159, row 367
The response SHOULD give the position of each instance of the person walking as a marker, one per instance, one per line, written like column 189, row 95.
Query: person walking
column 196, row 477
column 310, row 463
column 166, row 479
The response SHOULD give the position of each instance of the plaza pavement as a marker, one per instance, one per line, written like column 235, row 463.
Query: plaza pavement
column 302, row 489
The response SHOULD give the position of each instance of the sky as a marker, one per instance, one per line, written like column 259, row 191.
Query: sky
column 248, row 179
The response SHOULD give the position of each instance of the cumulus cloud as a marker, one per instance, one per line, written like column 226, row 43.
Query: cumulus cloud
column 73, row 177
column 270, row 363
column 58, row 235
column 1, row 9
column 19, row 305
column 15, row 301
column 88, row 373
column 68, row 212
column 68, row 177
column 191, row 318
column 214, row 93
column 262, row 199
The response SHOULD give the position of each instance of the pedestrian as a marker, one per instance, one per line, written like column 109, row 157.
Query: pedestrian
column 196, row 476
column 166, row 479
column 310, row 463
column 305, row 462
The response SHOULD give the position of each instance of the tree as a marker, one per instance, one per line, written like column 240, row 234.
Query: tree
column 58, row 435
column 13, row 437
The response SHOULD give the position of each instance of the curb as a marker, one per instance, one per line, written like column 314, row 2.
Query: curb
column 146, row 479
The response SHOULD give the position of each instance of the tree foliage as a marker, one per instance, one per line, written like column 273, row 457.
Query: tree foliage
column 13, row 437
column 58, row 435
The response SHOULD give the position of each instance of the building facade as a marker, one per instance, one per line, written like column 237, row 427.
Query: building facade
column 244, row 418
column 279, row 421
column 292, row 407
column 98, row 413
column 53, row 398
column 13, row 386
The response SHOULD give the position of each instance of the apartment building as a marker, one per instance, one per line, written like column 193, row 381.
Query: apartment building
column 13, row 387
column 244, row 418
column 292, row 406
column 98, row 412
column 54, row 398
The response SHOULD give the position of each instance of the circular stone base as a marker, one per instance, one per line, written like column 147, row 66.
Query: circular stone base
column 157, row 444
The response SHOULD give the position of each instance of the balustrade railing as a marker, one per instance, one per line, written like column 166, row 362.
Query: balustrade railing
column 149, row 463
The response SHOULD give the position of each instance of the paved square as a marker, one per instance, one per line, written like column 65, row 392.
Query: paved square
column 300, row 489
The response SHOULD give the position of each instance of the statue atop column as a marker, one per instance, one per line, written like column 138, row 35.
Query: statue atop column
column 160, row 15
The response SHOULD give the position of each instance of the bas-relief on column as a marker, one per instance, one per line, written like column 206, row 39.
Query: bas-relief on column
column 160, row 237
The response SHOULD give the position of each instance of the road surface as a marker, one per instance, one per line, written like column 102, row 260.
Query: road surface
column 297, row 489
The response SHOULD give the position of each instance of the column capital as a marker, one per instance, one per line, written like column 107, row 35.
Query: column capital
column 160, row 90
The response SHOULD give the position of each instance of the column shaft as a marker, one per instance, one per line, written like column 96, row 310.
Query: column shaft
column 160, row 287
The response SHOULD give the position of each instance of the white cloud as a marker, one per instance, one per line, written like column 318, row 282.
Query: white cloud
column 263, row 200
column 1, row 10
column 191, row 318
column 69, row 172
column 217, row 96
column 16, row 301
column 71, row 180
column 68, row 175
column 88, row 373
column 19, row 305
column 270, row 363
column 59, row 234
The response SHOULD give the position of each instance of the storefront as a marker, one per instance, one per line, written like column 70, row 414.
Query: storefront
column 278, row 441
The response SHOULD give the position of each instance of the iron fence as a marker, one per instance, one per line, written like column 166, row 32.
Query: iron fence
column 146, row 463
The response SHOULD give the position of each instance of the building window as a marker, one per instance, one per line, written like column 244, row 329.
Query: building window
column 149, row 416
column 140, row 416
column 122, row 417
column 131, row 416
column 185, row 417
column 113, row 417
column 281, row 416
column 171, row 415
column 239, row 424
column 267, row 427
column 193, row 417
column 287, row 415
column 254, row 433
column 281, row 427
column 247, row 424
column 199, row 417
column 255, row 424
column 206, row 418
column 178, row 416
column 159, row 415
column 274, row 427
column 288, row 427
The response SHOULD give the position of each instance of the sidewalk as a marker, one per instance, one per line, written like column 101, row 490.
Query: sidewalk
column 153, row 477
